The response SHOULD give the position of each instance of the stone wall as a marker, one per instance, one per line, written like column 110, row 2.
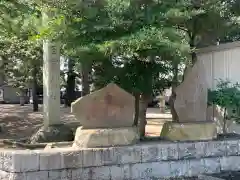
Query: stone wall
column 144, row 161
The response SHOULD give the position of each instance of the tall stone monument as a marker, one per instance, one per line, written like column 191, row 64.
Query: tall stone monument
column 51, row 83
column 53, row 130
column 191, row 107
column 191, row 99
column 106, row 117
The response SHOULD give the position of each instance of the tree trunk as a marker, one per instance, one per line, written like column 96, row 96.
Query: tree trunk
column 34, row 90
column 86, row 70
column 174, row 95
column 70, row 89
column 192, row 47
column 142, row 115
column 225, row 121
column 22, row 97
column 2, row 70
column 137, row 101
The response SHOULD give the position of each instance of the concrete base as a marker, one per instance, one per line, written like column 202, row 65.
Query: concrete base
column 189, row 131
column 93, row 138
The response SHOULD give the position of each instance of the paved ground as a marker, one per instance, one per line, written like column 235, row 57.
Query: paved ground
column 19, row 121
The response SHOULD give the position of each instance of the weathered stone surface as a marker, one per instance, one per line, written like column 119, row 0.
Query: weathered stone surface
column 97, row 173
column 196, row 167
column 230, row 163
column 169, row 151
column 72, row 158
column 110, row 107
column 146, row 161
column 51, row 83
column 179, row 168
column 92, row 157
column 151, row 153
column 129, row 155
column 189, row 131
column 39, row 175
column 212, row 165
column 191, row 99
column 51, row 160
column 60, row 175
column 20, row 161
column 232, row 147
column 187, row 150
column 52, row 133
column 91, row 138
column 120, row 172
column 216, row 148
column 152, row 170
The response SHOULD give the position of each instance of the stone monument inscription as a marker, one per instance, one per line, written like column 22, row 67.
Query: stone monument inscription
column 110, row 107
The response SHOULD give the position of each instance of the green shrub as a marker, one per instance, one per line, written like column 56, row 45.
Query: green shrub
column 227, row 96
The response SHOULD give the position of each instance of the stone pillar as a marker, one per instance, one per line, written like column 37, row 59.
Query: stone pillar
column 51, row 83
column 53, row 130
column 162, row 104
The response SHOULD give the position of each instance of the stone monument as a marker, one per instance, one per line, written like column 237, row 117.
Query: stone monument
column 53, row 130
column 191, row 107
column 192, row 95
column 106, row 117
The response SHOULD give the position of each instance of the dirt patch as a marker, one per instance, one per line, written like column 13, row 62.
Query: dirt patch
column 20, row 121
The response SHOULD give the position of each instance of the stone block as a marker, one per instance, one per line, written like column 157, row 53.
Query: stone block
column 151, row 153
column 169, row 151
column 232, row 147
column 179, row 168
column 92, row 157
column 1, row 159
column 121, row 172
column 155, row 170
column 77, row 174
column 216, row 148
column 20, row 161
column 51, row 160
column 110, row 156
column 113, row 107
column 196, row 167
column 17, row 176
column 60, row 175
column 187, row 150
column 129, row 154
column 72, row 158
column 39, row 175
column 230, row 163
column 189, row 131
column 94, row 138
column 201, row 149
column 212, row 165
column 96, row 173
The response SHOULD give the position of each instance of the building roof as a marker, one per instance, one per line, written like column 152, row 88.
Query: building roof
column 220, row 47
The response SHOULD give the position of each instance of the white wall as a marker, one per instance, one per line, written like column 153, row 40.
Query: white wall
column 221, row 61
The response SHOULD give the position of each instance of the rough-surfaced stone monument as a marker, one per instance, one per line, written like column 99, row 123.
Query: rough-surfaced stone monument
column 106, row 117
column 192, row 95
column 191, row 107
